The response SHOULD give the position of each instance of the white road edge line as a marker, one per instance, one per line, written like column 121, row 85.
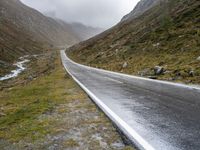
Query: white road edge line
column 128, row 131
column 136, row 77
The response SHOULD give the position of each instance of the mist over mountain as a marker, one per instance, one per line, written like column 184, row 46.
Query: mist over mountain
column 51, row 14
column 41, row 27
column 140, row 8
column 83, row 32
column 98, row 13
column 24, row 30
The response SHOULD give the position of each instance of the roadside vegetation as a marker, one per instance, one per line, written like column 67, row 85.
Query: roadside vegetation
column 163, row 43
column 45, row 109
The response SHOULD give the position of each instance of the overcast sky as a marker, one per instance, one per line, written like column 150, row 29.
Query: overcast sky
column 97, row 13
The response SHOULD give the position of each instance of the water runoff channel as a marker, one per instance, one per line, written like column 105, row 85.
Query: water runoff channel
column 20, row 67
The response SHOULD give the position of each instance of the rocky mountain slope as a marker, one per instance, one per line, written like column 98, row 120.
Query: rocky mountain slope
column 163, row 42
column 140, row 8
column 24, row 30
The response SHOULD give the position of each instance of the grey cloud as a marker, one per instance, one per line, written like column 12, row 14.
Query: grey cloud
column 97, row 13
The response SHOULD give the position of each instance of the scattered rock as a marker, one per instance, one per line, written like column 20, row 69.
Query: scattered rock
column 152, row 77
column 145, row 72
column 111, row 46
column 2, row 114
column 156, row 45
column 179, row 78
column 177, row 72
column 180, row 36
column 198, row 58
column 117, row 145
column 181, row 74
column 30, row 78
column 125, row 65
column 171, row 79
column 167, row 72
column 158, row 70
column 191, row 73
column 100, row 54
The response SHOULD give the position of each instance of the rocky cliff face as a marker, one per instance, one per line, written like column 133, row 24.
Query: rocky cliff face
column 140, row 8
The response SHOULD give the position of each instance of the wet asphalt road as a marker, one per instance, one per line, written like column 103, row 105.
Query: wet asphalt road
column 165, row 115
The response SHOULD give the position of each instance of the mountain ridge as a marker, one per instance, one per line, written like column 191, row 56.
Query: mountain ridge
column 140, row 8
column 82, row 31
column 166, row 36
column 24, row 31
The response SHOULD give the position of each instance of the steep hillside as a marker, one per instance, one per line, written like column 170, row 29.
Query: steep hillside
column 24, row 30
column 166, row 37
column 140, row 8
column 41, row 27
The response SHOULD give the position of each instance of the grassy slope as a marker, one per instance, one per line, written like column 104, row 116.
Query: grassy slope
column 25, row 31
column 35, row 113
column 15, row 43
column 175, row 26
column 23, row 104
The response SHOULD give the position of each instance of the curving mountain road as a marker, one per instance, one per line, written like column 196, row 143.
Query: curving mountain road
column 152, row 114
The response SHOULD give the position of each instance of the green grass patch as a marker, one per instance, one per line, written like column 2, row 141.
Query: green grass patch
column 23, row 105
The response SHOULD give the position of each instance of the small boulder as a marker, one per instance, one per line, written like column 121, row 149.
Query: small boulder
column 198, row 58
column 171, row 79
column 191, row 73
column 111, row 46
column 156, row 45
column 146, row 72
column 158, row 70
column 125, row 65
column 30, row 78
column 152, row 77
column 2, row 114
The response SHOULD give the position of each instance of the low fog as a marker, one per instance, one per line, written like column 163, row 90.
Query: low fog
column 96, row 13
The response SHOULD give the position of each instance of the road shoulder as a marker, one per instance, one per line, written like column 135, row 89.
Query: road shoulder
column 52, row 112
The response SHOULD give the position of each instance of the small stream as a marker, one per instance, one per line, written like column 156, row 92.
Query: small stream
column 16, row 72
